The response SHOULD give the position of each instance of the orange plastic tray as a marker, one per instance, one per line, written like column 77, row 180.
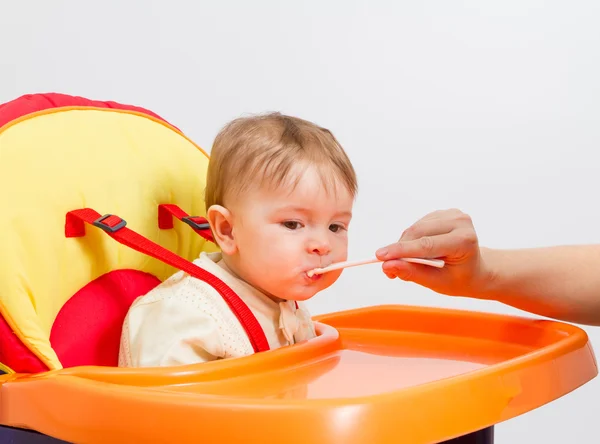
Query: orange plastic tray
column 385, row 374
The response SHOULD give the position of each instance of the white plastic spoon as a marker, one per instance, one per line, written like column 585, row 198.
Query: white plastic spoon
column 438, row 263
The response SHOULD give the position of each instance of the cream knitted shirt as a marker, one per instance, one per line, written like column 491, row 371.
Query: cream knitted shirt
column 184, row 320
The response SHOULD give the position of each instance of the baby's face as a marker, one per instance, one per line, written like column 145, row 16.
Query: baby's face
column 282, row 234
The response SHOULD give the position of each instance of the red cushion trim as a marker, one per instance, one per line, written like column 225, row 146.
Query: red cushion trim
column 31, row 103
column 15, row 355
column 87, row 330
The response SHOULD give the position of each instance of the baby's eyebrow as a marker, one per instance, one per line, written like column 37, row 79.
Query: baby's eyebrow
column 294, row 208
column 344, row 214
column 308, row 211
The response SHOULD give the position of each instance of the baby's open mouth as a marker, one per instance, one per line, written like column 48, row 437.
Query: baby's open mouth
column 313, row 273
column 313, row 276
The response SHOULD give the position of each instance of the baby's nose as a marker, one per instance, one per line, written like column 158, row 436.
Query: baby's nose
column 320, row 247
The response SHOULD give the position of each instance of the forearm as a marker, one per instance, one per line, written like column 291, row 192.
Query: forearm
column 559, row 282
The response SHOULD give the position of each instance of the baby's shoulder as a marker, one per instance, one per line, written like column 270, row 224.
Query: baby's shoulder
column 185, row 301
column 184, row 292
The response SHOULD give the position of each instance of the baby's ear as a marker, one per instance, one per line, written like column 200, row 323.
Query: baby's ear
column 221, row 223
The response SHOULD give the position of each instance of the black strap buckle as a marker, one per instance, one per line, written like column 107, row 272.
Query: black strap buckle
column 100, row 224
column 196, row 225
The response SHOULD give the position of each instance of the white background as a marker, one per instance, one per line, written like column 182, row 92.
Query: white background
column 492, row 107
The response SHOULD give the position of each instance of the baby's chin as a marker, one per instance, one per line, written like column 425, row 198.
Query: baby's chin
column 296, row 288
column 305, row 293
column 293, row 293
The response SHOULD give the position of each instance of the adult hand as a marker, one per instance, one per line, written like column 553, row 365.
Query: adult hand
column 447, row 235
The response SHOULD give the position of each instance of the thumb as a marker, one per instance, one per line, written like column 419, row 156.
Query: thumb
column 423, row 247
column 419, row 274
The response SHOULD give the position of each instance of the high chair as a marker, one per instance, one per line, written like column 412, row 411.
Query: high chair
column 103, row 201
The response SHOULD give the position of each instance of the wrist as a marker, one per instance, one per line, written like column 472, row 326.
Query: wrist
column 485, row 285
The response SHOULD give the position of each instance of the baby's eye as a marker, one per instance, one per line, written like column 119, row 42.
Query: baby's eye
column 335, row 228
column 291, row 224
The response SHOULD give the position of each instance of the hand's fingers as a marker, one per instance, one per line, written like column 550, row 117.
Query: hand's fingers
column 434, row 215
column 438, row 246
column 448, row 214
column 438, row 222
column 430, row 227
column 419, row 274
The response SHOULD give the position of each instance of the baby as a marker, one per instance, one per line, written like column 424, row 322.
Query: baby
column 279, row 198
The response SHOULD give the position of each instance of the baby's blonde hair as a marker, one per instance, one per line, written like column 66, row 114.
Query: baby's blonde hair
column 261, row 150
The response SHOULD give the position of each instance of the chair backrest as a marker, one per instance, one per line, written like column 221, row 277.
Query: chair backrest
column 62, row 300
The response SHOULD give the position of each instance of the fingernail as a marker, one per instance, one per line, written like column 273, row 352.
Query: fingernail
column 382, row 252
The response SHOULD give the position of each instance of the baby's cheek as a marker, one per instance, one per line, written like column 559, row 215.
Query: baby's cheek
column 330, row 279
column 341, row 250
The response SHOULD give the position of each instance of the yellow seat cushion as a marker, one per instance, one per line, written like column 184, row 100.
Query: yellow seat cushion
column 113, row 161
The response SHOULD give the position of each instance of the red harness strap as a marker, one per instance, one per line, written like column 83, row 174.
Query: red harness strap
column 200, row 225
column 114, row 226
